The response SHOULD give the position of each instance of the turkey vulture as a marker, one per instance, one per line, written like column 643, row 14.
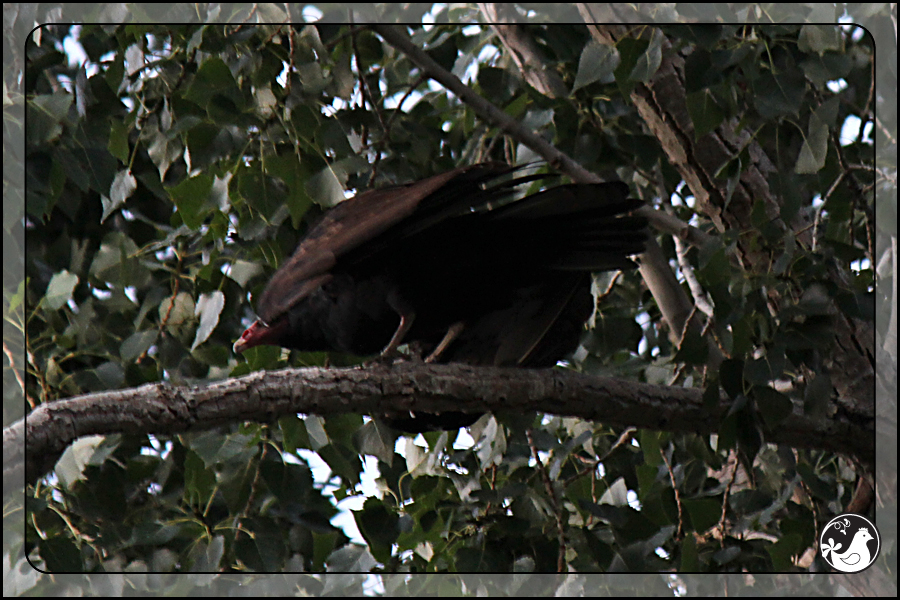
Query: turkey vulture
column 456, row 265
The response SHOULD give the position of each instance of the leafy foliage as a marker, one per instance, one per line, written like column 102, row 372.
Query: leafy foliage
column 169, row 175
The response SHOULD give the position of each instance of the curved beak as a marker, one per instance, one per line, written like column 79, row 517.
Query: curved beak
column 258, row 334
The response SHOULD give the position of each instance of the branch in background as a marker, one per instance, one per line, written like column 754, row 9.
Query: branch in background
column 524, row 51
column 395, row 36
column 557, row 159
column 674, row 304
column 701, row 300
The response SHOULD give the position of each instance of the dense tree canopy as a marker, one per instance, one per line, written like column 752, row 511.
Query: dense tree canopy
column 170, row 169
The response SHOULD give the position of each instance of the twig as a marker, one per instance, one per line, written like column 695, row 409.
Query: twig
column 680, row 532
column 701, row 300
column 19, row 380
column 554, row 503
column 720, row 527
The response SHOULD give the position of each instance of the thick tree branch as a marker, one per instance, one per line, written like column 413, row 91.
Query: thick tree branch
column 394, row 390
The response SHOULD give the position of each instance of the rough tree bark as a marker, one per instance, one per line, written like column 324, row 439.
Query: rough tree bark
column 390, row 390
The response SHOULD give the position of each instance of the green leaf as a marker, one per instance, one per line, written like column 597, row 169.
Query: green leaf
column 822, row 489
column 598, row 62
column 294, row 174
column 819, row 38
column 814, row 149
column 690, row 562
column 242, row 271
column 61, row 555
column 46, row 116
column 123, row 186
column 342, row 461
column 77, row 457
column 726, row 555
column 60, row 289
column 496, row 84
column 704, row 512
column 289, row 482
column 118, row 140
column 731, row 376
column 261, row 544
column 829, row 67
column 705, row 112
column 350, row 559
column 262, row 192
column 199, row 481
column 190, row 196
column 779, row 96
column 137, row 343
column 694, row 349
column 326, row 187
column 214, row 81
column 163, row 150
column 774, row 406
column 376, row 439
column 378, row 526
column 784, row 550
column 630, row 51
column 181, row 312
column 760, row 371
column 209, row 307
column 648, row 62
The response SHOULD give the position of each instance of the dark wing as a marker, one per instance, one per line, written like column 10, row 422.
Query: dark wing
column 357, row 222
column 512, row 272
column 576, row 227
column 571, row 231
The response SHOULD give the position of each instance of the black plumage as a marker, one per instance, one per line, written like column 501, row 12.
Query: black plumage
column 456, row 265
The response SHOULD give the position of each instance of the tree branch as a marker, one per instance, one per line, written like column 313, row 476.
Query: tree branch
column 524, row 50
column 392, row 390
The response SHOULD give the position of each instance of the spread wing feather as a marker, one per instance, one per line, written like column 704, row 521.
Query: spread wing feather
column 358, row 221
